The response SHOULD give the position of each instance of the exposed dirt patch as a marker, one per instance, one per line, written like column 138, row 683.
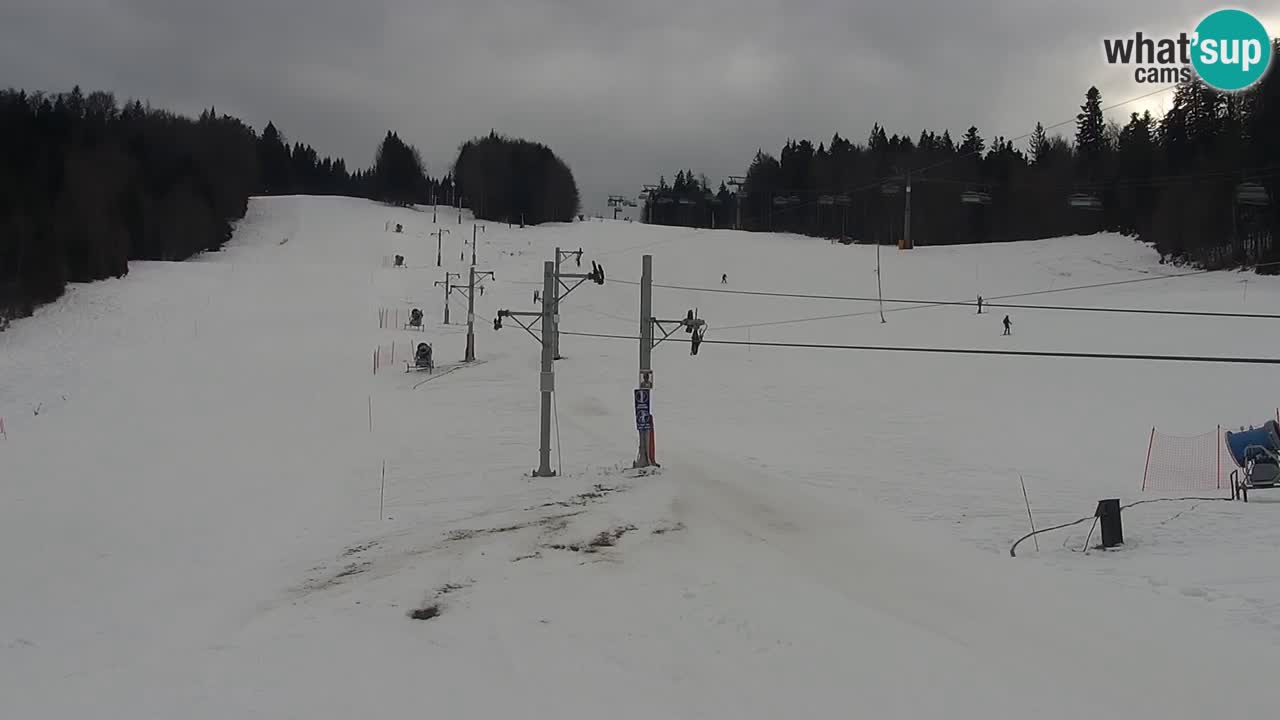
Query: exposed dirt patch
column 353, row 569
column 317, row 584
column 448, row 588
column 605, row 539
column 546, row 522
column 357, row 549
column 596, row 494
column 426, row 613
column 455, row 535
column 609, row 538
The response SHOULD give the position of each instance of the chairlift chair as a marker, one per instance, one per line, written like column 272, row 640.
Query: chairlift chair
column 1252, row 194
column 1085, row 201
column 415, row 320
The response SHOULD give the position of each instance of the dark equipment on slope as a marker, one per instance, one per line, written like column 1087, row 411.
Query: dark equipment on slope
column 1108, row 513
column 597, row 273
column 415, row 320
column 695, row 328
column 1256, row 452
column 422, row 359
column 696, row 341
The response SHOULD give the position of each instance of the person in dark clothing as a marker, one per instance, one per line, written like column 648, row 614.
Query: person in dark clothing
column 724, row 279
column 979, row 304
column 1007, row 324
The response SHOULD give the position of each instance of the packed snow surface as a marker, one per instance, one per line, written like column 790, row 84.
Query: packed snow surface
column 195, row 457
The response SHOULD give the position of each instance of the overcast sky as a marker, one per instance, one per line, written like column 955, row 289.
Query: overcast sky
column 623, row 91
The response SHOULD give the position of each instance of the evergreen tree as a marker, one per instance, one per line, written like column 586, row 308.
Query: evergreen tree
column 1091, row 141
column 1039, row 143
column 398, row 176
column 501, row 178
column 973, row 143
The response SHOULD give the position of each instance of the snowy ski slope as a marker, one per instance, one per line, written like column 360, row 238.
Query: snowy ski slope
column 190, row 487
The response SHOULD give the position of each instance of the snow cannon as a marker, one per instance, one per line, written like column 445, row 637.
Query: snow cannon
column 1251, row 444
column 422, row 359
column 1256, row 452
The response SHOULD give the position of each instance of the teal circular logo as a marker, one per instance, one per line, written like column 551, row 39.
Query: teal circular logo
column 1232, row 50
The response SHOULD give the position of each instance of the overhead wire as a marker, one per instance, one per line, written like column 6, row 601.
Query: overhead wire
column 971, row 303
column 1261, row 173
column 1236, row 360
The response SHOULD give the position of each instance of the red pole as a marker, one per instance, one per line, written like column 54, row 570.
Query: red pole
column 1148, row 465
column 1218, row 437
column 653, row 442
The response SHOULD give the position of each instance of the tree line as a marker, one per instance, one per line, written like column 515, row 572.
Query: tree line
column 1201, row 183
column 88, row 184
column 517, row 181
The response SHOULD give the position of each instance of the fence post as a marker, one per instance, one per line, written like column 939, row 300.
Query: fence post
column 1147, row 467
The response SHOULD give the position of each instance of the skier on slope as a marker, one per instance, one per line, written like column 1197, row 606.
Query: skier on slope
column 979, row 304
column 724, row 279
column 1007, row 324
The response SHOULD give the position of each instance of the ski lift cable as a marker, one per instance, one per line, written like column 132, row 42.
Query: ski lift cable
column 969, row 303
column 1219, row 359
column 922, row 304
column 1246, row 174
column 1262, row 173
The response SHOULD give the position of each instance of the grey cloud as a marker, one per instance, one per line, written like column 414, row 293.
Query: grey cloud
column 624, row 91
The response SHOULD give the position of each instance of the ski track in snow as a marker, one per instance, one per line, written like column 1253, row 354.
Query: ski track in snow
column 189, row 491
